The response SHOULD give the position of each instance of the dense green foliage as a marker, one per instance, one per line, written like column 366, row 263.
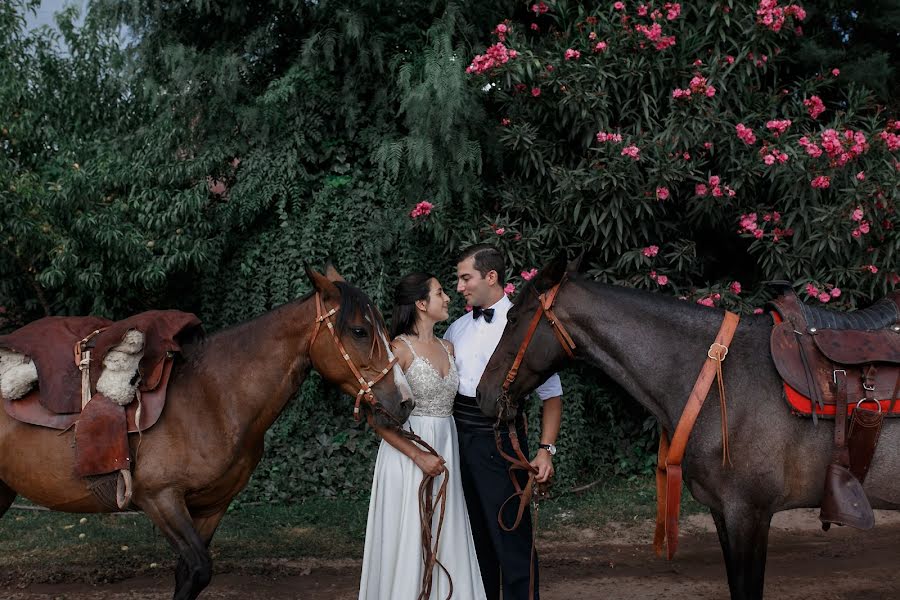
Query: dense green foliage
column 194, row 154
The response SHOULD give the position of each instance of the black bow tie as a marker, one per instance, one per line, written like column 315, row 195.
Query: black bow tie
column 487, row 313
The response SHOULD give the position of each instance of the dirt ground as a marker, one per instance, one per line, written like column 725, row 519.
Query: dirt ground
column 614, row 563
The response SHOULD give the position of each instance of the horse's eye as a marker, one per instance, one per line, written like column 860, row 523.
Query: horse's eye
column 358, row 332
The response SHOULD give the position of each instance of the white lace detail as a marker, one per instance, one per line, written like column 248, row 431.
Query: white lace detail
column 434, row 395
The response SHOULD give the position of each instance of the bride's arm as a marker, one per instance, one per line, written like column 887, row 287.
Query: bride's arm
column 429, row 463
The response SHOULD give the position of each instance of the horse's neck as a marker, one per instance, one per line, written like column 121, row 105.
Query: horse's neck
column 258, row 365
column 653, row 347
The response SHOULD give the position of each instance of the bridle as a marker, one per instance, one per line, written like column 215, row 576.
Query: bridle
column 365, row 386
column 545, row 308
column 429, row 502
column 532, row 490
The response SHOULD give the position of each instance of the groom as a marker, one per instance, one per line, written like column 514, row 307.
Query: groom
column 502, row 556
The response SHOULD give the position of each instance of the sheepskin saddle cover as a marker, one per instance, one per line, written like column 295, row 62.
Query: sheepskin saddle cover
column 125, row 355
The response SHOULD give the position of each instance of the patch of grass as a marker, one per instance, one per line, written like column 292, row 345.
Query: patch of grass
column 255, row 537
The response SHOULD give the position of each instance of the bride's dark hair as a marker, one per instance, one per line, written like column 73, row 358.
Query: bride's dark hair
column 409, row 290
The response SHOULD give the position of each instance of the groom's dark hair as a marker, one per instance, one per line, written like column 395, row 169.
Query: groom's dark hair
column 487, row 258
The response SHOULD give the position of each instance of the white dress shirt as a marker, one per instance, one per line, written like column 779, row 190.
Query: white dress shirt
column 475, row 340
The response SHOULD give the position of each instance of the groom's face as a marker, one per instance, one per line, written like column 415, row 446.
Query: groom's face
column 474, row 287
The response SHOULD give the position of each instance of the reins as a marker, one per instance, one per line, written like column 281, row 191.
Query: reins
column 428, row 502
column 533, row 491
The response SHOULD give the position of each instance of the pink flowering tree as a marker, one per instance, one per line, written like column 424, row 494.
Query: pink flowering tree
column 665, row 140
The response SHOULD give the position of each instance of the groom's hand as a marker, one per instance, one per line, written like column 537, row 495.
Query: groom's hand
column 543, row 462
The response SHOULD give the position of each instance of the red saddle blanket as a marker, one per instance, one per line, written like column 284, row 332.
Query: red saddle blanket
column 50, row 342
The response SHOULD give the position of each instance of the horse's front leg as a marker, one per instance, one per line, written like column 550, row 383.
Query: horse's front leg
column 7, row 495
column 744, row 536
column 194, row 570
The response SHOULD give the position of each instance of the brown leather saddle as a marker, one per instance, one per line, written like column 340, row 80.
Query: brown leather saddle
column 844, row 365
column 60, row 400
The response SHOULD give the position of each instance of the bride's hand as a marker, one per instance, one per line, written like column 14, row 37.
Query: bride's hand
column 429, row 463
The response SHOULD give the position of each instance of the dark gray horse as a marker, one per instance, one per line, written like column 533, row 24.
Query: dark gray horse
column 654, row 346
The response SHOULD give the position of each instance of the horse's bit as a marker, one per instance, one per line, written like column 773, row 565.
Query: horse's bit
column 365, row 389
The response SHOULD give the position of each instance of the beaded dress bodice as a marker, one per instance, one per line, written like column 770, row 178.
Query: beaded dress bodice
column 434, row 395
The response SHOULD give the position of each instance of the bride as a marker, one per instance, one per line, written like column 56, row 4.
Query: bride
column 392, row 564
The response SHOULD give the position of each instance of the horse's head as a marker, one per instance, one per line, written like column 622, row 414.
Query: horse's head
column 349, row 347
column 536, row 331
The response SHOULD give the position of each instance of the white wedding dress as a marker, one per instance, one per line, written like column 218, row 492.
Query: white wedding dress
column 392, row 564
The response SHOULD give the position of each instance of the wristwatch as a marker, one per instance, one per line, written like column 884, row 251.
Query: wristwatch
column 549, row 448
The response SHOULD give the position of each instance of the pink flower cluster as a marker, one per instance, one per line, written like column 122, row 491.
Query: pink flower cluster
column 870, row 268
column 814, row 106
column 495, row 56
column 509, row 289
column 772, row 16
column 650, row 251
column 501, row 31
column 857, row 217
column 841, row 149
column 822, row 182
column 422, row 209
column 828, row 292
column 662, row 193
column 735, row 287
column 811, row 148
column 539, row 8
column 608, row 137
column 633, row 151
column 673, row 10
column 698, row 85
column 660, row 279
column 600, row 47
column 778, row 126
column 770, row 157
column 714, row 187
column 749, row 225
column 891, row 140
column 710, row 300
column 529, row 275
column 572, row 54
column 745, row 134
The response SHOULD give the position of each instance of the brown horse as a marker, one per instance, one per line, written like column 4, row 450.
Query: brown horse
column 225, row 393
column 654, row 346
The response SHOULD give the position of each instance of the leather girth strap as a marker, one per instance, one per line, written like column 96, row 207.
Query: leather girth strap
column 668, row 470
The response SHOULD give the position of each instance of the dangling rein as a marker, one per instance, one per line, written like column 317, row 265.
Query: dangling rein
column 533, row 491
column 427, row 502
column 668, row 469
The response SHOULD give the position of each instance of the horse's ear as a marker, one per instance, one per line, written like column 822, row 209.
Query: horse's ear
column 321, row 283
column 552, row 273
column 331, row 273
column 575, row 263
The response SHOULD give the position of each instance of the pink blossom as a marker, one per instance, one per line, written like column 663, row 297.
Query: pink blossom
column 729, row 59
column 814, row 106
column 735, row 287
column 529, row 275
column 717, row 192
column 500, row 231
column 495, row 56
column 891, row 140
column 824, row 297
column 710, row 91
column 871, row 268
column 539, row 8
column 812, row 149
column 619, row 6
column 662, row 280
column 757, row 311
column 672, row 10
column 633, row 151
column 572, row 54
column 821, row 182
column 707, row 301
column 769, row 159
column 665, row 42
column 651, row 251
column 714, row 180
column 508, row 289
column 422, row 209
column 504, row 122
column 857, row 214
column 778, row 126
column 501, row 30
column 662, row 193
column 700, row 189
column 535, row 27
column 535, row 91
column 679, row 93
column 642, row 10
column 600, row 47
column 861, row 176
column 608, row 137
column 835, row 72
column 835, row 293
column 864, row 227
column 812, row 290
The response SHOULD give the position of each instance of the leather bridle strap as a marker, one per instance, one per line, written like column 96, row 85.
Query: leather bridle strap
column 668, row 470
column 365, row 389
